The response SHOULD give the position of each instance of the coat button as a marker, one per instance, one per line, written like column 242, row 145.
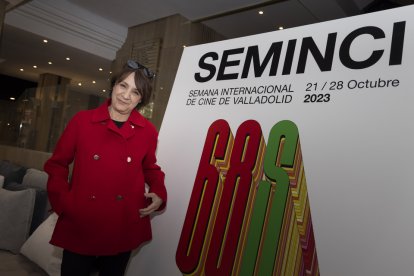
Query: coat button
column 119, row 197
column 129, row 159
column 96, row 157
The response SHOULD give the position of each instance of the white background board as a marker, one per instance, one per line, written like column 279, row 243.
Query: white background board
column 357, row 148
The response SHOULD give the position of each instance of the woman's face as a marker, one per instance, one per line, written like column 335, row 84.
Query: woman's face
column 125, row 95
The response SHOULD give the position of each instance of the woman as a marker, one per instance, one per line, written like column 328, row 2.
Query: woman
column 103, row 209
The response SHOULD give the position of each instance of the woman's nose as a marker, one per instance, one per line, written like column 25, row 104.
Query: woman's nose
column 126, row 94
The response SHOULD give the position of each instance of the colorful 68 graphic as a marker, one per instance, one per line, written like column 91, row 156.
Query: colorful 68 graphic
column 249, row 211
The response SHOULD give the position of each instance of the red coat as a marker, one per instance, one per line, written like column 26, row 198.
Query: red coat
column 99, row 207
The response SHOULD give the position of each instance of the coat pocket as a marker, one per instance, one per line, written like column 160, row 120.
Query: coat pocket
column 67, row 204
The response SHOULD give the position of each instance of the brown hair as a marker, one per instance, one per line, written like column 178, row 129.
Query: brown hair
column 142, row 82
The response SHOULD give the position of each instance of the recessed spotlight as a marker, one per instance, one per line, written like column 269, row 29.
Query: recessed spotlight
column 184, row 46
column 80, row 84
column 34, row 66
column 45, row 41
column 12, row 98
column 261, row 12
column 21, row 69
column 280, row 28
column 100, row 69
column 93, row 81
column 50, row 63
column 104, row 90
column 68, row 58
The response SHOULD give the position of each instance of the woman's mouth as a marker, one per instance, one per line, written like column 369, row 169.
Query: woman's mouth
column 122, row 102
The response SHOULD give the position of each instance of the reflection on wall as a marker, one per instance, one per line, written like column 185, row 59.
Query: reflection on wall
column 22, row 122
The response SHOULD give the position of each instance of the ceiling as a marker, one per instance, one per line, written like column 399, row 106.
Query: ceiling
column 22, row 46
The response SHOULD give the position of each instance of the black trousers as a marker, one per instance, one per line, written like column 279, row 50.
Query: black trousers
column 74, row 264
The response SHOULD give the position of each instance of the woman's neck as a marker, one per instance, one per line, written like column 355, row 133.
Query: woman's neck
column 116, row 116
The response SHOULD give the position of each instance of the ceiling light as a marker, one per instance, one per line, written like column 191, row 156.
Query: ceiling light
column 13, row 99
column 21, row 69
column 93, row 81
column 103, row 90
column 100, row 69
column 68, row 58
column 261, row 12
column 34, row 66
column 80, row 84
column 45, row 41
column 50, row 63
column 280, row 28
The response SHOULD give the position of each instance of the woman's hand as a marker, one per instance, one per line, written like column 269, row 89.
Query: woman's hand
column 155, row 204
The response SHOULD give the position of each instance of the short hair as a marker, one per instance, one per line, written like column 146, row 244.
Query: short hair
column 142, row 83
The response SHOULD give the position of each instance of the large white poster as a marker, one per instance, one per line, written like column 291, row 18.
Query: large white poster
column 291, row 153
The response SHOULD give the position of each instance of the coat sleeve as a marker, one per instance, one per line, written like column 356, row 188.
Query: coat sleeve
column 153, row 174
column 57, row 167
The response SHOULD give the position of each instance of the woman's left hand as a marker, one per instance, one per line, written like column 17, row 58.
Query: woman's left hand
column 155, row 204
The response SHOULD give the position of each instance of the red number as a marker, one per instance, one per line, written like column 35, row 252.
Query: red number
column 195, row 228
column 233, row 201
